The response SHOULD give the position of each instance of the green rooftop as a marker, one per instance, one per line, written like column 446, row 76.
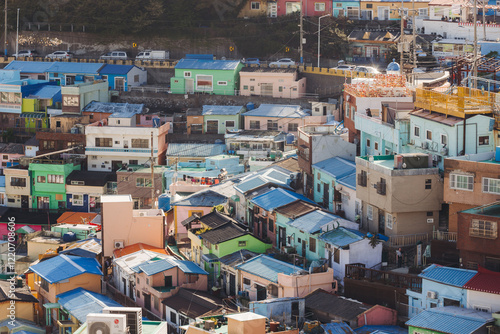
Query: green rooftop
column 492, row 210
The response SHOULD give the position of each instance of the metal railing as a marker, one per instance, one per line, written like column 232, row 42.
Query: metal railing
column 407, row 239
column 406, row 281
column 445, row 236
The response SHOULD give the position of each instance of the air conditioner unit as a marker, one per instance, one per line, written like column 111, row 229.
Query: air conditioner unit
column 412, row 141
column 430, row 220
column 444, row 151
column 425, row 145
column 143, row 214
column 106, row 323
column 264, row 213
column 432, row 294
column 134, row 317
column 119, row 244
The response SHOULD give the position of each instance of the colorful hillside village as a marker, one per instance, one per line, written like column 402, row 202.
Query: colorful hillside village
column 374, row 213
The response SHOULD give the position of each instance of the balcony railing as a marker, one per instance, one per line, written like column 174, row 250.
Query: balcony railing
column 397, row 280
column 445, row 236
column 407, row 239
column 119, row 150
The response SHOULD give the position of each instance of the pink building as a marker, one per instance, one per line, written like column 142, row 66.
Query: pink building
column 311, row 8
column 10, row 154
column 157, row 280
column 275, row 82
column 123, row 226
column 279, row 117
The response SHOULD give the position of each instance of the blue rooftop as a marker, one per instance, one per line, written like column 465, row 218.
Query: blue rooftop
column 63, row 267
column 206, row 198
column 380, row 329
column 262, row 178
column 267, row 267
column 222, row 110
column 277, row 198
column 48, row 92
column 153, row 266
column 112, row 108
column 447, row 275
column 78, row 68
column 28, row 66
column 195, row 150
column 116, row 69
column 337, row 328
column 80, row 302
column 451, row 319
column 207, row 64
column 336, row 167
column 313, row 221
column 341, row 236
column 348, row 181
column 277, row 110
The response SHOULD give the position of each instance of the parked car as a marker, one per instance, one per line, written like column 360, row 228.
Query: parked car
column 346, row 68
column 60, row 55
column 115, row 55
column 153, row 55
column 367, row 69
column 251, row 61
column 283, row 62
column 26, row 53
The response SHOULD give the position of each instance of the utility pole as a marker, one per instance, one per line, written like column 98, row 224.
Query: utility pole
column 17, row 34
column 153, row 206
column 319, row 35
column 401, row 40
column 6, row 41
column 474, row 64
column 301, row 46
column 414, row 36
column 484, row 19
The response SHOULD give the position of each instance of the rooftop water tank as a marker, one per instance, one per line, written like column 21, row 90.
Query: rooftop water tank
column 250, row 106
column 393, row 67
column 68, row 237
column 164, row 202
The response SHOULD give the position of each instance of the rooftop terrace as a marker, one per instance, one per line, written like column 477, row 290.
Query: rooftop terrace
column 383, row 85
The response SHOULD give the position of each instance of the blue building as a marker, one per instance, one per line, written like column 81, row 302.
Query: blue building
column 349, row 9
column 441, row 286
column 66, row 74
column 122, row 77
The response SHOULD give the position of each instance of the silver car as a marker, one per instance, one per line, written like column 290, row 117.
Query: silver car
column 283, row 62
column 60, row 55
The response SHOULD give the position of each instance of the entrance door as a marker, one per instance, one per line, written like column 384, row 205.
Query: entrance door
column 282, row 237
column 381, row 222
column 261, row 292
column 147, row 301
column 43, row 203
column 116, row 165
column 189, row 86
column 326, row 195
column 25, row 202
column 232, row 284
column 168, row 281
column 120, row 84
column 212, row 127
column 124, row 282
column 383, row 13
column 264, row 229
column 266, row 89
column 303, row 248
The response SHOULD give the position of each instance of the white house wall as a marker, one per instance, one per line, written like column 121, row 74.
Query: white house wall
column 143, row 77
column 483, row 300
column 326, row 147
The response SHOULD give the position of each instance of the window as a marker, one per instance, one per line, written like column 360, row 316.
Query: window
column 252, row 88
column 229, row 124
column 53, row 178
column 156, row 303
column 422, row 12
column 140, row 143
column 491, row 186
column 336, row 255
column 353, row 13
column 484, row 140
column 242, row 243
column 255, row 5
column 271, row 125
column 173, row 317
column 222, row 83
column 319, row 6
column 103, row 142
column 381, row 186
column 204, row 83
column 133, row 162
column 44, row 284
column 369, row 5
column 388, row 221
column 255, row 125
column 376, row 146
column 77, row 200
column 136, row 78
column 143, row 182
column 428, row 135
column 347, row 110
column 362, row 178
column 319, row 187
column 40, row 179
column 444, row 139
column 187, row 74
column 293, row 127
column 368, row 143
column 5, row 157
column 312, row 245
column 483, row 229
column 246, row 281
column 451, row 302
column 428, row 183
column 245, row 87
column 369, row 212
column 462, row 182
column 430, row 213
column 416, row 131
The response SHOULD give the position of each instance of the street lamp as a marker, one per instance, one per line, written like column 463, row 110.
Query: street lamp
column 319, row 33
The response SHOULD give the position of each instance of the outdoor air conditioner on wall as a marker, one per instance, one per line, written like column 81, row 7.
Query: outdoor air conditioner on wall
column 432, row 294
column 119, row 244
column 134, row 317
column 106, row 323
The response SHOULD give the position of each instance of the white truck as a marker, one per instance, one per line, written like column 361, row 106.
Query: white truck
column 153, row 55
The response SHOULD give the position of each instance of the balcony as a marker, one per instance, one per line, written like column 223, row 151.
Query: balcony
column 118, row 151
column 465, row 101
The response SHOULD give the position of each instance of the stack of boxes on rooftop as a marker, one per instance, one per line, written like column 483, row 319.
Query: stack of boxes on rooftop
column 298, row 215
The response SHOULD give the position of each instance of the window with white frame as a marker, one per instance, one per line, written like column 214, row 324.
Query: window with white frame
column 444, row 139
column 187, row 74
column 376, row 146
column 77, row 200
column 491, row 186
column 416, row 131
column 483, row 229
column 204, row 83
column 222, row 83
column 353, row 12
column 388, row 221
column 369, row 212
column 428, row 135
column 319, row 6
column 462, row 182
column 255, row 5
column 423, row 12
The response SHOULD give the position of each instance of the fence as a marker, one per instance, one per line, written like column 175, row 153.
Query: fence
column 397, row 280
column 120, row 298
column 407, row 240
column 445, row 236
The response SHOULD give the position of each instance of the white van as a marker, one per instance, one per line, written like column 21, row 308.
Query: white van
column 153, row 55
column 115, row 55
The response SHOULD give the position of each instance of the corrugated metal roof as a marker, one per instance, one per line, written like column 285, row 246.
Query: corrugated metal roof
column 222, row 110
column 348, row 181
column 237, row 257
column 116, row 69
column 223, row 233
column 47, row 92
column 336, row 167
column 195, row 150
column 296, row 209
column 447, row 275
column 485, row 281
column 450, row 319
column 136, row 248
column 267, row 267
column 132, row 260
column 251, row 183
column 112, row 108
column 334, row 306
column 379, row 329
column 155, row 266
column 277, row 198
column 85, row 248
column 207, row 198
column 207, row 64
column 341, row 237
column 277, row 110
column 313, row 221
column 80, row 302
column 64, row 267
column 337, row 328
column 83, row 68
column 28, row 66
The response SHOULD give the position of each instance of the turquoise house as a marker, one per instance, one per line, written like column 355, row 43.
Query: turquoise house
column 203, row 74
column 350, row 9
column 49, row 183
column 218, row 119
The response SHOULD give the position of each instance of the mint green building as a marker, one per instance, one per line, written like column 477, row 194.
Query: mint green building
column 203, row 74
column 48, row 189
column 218, row 119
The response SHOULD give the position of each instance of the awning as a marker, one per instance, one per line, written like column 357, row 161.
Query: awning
column 25, row 230
column 210, row 258
column 33, row 115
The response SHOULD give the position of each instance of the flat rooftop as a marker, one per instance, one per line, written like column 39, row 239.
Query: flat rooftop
column 148, row 213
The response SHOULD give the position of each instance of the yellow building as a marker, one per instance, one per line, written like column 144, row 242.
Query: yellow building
column 389, row 10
